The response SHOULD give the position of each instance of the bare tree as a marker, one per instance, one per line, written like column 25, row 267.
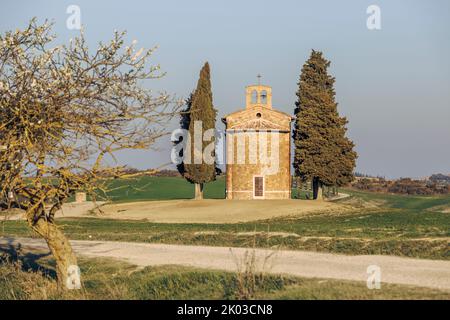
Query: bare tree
column 65, row 111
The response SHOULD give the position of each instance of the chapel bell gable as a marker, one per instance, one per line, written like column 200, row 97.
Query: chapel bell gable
column 258, row 96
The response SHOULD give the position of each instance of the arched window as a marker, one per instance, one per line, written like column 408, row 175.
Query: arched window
column 254, row 96
column 263, row 97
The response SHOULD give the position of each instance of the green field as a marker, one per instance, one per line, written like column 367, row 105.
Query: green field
column 380, row 224
column 160, row 188
column 164, row 188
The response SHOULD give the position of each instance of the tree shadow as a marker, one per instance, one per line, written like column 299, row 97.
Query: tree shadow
column 13, row 252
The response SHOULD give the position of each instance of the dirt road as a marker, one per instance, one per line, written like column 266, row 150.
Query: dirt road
column 416, row 272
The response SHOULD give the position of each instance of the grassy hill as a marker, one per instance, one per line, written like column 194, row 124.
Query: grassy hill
column 160, row 188
column 413, row 226
column 416, row 203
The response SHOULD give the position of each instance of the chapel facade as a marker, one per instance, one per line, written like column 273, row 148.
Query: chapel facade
column 258, row 143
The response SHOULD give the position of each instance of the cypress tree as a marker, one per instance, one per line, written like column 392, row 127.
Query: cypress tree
column 202, row 115
column 323, row 154
column 185, row 119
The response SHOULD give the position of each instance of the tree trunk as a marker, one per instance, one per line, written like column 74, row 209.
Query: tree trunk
column 317, row 189
column 67, row 270
column 320, row 192
column 198, row 191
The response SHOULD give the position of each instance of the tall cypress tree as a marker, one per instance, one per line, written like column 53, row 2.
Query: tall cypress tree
column 185, row 119
column 323, row 154
column 202, row 115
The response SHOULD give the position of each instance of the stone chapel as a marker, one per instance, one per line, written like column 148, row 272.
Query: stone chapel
column 258, row 143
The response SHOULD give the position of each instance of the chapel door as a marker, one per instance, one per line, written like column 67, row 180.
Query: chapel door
column 258, row 187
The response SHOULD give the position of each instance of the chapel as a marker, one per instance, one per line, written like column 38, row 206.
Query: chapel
column 258, row 143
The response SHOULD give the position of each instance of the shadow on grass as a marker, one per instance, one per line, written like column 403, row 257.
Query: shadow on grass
column 29, row 261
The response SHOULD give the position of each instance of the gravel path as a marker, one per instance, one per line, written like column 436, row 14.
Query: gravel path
column 416, row 272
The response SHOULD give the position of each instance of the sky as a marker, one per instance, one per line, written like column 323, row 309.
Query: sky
column 392, row 84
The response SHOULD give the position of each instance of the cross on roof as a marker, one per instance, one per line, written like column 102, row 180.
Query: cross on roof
column 259, row 79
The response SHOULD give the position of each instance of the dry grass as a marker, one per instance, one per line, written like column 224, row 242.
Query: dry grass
column 252, row 272
column 112, row 279
column 19, row 282
column 215, row 210
column 442, row 208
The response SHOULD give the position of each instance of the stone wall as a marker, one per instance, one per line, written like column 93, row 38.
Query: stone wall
column 240, row 176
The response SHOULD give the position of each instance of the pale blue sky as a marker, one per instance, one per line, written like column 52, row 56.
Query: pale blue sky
column 393, row 84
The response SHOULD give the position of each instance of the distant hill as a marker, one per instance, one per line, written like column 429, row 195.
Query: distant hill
column 435, row 184
column 440, row 178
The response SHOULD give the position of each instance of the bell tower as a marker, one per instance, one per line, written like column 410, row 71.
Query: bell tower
column 258, row 96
